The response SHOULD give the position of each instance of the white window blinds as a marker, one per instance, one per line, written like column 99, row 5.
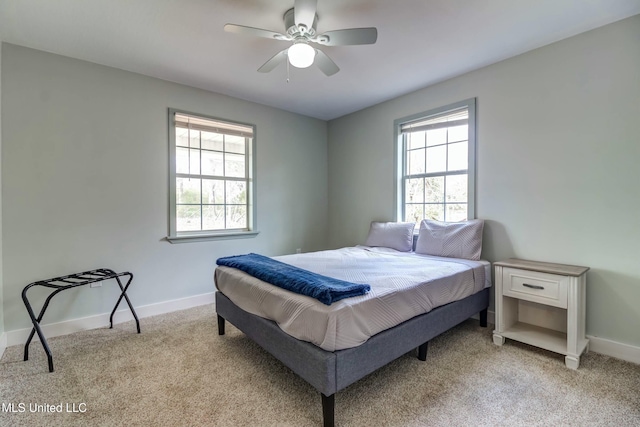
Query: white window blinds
column 445, row 120
column 208, row 125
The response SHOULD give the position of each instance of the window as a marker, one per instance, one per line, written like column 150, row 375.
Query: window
column 436, row 164
column 212, row 186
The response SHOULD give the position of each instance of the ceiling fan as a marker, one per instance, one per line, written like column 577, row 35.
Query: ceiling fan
column 300, row 25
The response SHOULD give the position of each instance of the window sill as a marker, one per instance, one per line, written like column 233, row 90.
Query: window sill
column 186, row 238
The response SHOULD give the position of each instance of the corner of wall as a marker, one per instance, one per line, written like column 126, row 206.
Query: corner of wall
column 3, row 336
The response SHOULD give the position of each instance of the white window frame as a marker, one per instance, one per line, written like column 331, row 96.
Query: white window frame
column 400, row 155
column 203, row 235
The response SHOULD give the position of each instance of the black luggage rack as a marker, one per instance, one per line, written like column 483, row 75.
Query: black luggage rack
column 67, row 282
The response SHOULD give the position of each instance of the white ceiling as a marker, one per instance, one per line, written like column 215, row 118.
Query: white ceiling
column 420, row 42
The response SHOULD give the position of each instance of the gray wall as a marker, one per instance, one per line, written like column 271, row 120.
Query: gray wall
column 1, row 269
column 558, row 136
column 85, row 182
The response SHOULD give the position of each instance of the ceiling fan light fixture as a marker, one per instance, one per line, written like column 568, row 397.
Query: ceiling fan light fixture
column 301, row 55
column 300, row 28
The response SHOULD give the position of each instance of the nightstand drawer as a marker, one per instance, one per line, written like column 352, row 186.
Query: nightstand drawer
column 543, row 288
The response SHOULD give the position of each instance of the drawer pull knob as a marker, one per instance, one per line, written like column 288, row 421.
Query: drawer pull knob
column 532, row 286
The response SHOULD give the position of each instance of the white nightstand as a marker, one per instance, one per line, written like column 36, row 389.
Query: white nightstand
column 542, row 304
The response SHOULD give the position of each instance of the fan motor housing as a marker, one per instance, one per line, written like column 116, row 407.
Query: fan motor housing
column 292, row 28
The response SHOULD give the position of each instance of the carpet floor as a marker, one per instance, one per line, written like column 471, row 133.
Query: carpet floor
column 179, row 372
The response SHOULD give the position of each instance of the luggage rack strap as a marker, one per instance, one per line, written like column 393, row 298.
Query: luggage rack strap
column 82, row 279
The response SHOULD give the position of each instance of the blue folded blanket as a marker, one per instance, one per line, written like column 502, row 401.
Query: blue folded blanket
column 325, row 289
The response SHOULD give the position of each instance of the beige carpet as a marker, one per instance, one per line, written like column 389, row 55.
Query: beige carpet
column 179, row 372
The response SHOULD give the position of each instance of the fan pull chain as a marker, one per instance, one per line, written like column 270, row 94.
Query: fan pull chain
column 287, row 70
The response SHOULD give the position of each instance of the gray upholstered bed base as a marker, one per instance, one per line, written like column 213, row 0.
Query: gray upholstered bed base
column 330, row 372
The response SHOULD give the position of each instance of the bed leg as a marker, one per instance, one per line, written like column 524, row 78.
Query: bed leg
column 220, row 325
column 422, row 351
column 483, row 317
column 328, row 409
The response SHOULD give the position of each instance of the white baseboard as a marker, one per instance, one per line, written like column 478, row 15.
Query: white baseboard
column 615, row 349
column 3, row 343
column 66, row 327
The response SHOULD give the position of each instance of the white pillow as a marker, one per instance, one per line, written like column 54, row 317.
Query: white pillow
column 394, row 235
column 451, row 239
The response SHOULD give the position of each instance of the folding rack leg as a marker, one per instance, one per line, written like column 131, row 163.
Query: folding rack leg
column 36, row 326
column 124, row 294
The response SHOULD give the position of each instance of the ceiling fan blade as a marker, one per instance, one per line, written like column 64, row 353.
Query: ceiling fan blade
column 305, row 12
column 326, row 65
column 351, row 36
column 276, row 60
column 257, row 32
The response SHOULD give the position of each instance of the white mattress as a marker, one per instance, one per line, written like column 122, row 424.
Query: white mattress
column 403, row 285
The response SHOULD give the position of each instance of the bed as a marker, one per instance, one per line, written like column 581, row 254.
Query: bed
column 414, row 297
